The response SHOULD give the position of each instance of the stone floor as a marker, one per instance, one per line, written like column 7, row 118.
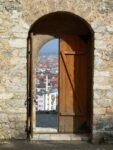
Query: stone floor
column 24, row 145
column 60, row 137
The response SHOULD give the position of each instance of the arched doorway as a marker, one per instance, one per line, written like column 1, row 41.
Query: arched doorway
column 75, row 70
column 47, row 74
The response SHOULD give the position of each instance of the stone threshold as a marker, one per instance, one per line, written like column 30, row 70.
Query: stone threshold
column 60, row 137
column 45, row 130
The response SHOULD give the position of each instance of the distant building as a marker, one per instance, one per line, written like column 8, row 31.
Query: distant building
column 53, row 99
column 46, row 99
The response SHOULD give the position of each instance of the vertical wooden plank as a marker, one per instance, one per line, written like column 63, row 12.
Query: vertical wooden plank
column 73, row 108
column 66, row 101
column 61, row 88
column 81, row 86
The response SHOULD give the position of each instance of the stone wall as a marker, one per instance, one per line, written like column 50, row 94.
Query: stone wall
column 13, row 34
column 16, row 18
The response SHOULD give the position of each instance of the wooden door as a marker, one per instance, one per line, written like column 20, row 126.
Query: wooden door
column 73, row 59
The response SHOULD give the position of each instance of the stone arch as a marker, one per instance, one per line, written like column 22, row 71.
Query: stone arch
column 61, row 23
column 56, row 24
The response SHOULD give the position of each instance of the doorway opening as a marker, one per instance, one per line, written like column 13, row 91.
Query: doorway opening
column 47, row 70
column 75, row 76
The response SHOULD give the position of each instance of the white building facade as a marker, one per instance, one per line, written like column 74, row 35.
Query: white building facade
column 48, row 99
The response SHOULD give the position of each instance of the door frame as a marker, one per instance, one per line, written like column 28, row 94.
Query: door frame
column 31, row 90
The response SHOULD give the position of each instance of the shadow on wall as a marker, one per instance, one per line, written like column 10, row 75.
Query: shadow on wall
column 103, row 129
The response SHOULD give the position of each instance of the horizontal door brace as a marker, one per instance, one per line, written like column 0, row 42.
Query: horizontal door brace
column 72, row 114
column 75, row 53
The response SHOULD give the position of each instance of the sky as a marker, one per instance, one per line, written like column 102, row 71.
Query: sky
column 51, row 47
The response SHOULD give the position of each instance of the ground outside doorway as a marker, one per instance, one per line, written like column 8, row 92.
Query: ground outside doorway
column 24, row 145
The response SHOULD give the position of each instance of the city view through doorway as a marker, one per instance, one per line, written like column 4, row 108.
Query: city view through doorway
column 47, row 87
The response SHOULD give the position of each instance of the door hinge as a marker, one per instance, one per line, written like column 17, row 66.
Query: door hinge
column 29, row 52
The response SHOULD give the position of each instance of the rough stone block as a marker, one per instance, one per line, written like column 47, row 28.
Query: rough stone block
column 18, row 43
column 102, row 86
column 110, row 28
column 99, row 36
column 100, row 44
column 6, row 95
column 105, row 73
column 99, row 111
column 3, row 118
column 18, row 62
column 100, row 29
